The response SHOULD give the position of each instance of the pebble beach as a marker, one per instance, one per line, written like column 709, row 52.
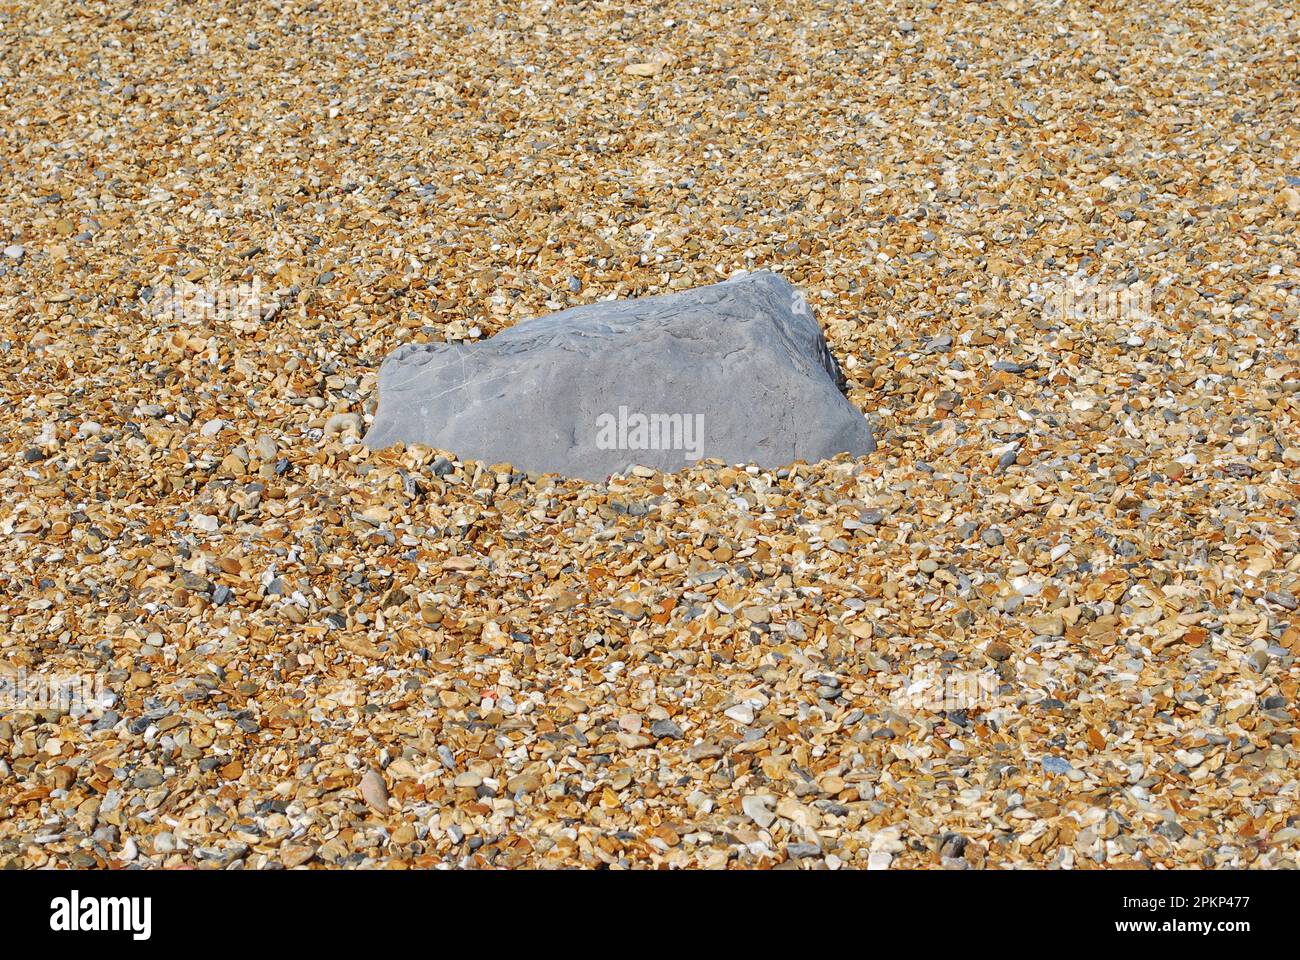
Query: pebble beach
column 1051, row 622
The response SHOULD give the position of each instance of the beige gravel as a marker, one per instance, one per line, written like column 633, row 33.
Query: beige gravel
column 1051, row 622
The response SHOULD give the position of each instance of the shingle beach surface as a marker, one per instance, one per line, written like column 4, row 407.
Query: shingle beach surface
column 1052, row 621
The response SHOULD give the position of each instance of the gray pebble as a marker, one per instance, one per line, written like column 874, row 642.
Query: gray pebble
column 147, row 778
column 1056, row 765
column 797, row 851
column 666, row 728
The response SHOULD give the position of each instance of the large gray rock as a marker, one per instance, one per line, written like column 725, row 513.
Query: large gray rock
column 738, row 371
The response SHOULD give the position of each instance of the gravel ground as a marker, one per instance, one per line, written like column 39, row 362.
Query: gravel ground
column 1051, row 622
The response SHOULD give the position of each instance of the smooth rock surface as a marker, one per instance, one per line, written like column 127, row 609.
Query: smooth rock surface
column 738, row 371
